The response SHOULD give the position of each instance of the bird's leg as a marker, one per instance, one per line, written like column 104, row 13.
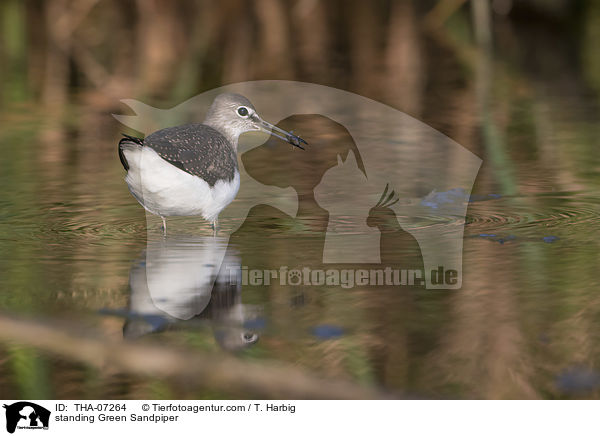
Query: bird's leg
column 215, row 226
column 164, row 226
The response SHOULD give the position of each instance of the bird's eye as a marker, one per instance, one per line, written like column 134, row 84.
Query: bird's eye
column 249, row 338
column 242, row 111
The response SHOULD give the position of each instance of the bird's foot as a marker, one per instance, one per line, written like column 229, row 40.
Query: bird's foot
column 164, row 226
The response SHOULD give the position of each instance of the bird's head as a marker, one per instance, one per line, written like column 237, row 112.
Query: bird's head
column 233, row 114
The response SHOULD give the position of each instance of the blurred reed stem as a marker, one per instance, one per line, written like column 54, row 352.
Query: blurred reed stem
column 220, row 373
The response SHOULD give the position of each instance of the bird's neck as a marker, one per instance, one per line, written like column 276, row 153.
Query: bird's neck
column 232, row 135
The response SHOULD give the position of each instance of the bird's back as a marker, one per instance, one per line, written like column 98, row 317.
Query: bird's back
column 197, row 149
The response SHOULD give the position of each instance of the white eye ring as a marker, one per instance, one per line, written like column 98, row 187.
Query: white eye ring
column 243, row 111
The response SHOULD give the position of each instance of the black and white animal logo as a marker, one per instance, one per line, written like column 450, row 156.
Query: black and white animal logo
column 26, row 415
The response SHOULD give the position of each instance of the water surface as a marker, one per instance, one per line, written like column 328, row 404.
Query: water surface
column 74, row 245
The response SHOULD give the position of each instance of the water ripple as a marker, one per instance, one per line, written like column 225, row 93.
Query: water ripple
column 536, row 214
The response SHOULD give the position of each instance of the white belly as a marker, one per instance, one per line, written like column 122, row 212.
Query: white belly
column 165, row 190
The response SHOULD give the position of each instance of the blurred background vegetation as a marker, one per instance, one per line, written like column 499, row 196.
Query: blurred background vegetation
column 515, row 81
column 62, row 51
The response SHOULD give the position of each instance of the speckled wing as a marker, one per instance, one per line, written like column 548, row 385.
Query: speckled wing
column 196, row 149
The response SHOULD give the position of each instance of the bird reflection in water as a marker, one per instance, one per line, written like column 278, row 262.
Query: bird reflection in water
column 180, row 280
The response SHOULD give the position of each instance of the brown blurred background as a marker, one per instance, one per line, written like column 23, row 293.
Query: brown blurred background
column 401, row 52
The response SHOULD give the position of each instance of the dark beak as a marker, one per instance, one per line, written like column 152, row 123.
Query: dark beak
column 289, row 137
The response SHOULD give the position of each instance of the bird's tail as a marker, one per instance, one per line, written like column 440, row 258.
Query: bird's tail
column 125, row 143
